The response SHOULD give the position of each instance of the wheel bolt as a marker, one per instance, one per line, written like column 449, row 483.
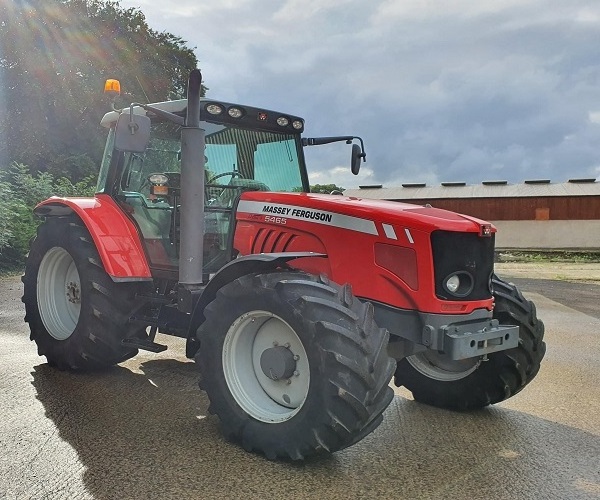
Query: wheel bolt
column 296, row 357
column 275, row 344
column 287, row 344
column 296, row 373
column 289, row 381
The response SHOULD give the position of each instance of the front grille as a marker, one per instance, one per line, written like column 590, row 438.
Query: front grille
column 467, row 252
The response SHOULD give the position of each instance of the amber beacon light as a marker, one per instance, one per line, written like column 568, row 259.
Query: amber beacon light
column 112, row 87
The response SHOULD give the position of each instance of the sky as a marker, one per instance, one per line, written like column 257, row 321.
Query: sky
column 439, row 90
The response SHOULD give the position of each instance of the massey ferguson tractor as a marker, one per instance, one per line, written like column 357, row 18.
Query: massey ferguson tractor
column 298, row 308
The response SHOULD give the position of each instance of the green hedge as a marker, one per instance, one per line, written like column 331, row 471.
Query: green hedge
column 20, row 191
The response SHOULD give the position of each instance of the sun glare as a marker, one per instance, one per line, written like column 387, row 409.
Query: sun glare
column 53, row 43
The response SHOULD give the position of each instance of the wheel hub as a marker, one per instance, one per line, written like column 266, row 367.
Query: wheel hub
column 73, row 293
column 59, row 293
column 278, row 362
column 266, row 366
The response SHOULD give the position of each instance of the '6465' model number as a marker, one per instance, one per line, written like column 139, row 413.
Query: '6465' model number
column 275, row 220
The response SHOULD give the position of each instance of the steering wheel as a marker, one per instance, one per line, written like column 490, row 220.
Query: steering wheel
column 211, row 194
column 215, row 177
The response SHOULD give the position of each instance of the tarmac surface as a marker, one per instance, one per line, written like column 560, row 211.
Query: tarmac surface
column 142, row 431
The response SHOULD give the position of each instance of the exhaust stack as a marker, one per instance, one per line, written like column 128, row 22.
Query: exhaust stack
column 192, row 188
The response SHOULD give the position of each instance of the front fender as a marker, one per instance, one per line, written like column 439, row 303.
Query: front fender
column 115, row 236
column 254, row 263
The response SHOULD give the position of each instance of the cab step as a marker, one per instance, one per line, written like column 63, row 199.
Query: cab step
column 145, row 344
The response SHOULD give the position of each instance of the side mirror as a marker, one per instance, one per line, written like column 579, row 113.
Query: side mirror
column 132, row 133
column 357, row 155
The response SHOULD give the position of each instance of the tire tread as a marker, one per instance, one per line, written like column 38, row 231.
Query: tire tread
column 354, row 364
column 106, row 306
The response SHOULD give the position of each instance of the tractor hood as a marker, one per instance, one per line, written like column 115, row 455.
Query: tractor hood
column 367, row 212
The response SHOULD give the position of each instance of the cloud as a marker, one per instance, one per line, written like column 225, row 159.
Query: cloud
column 439, row 90
column 296, row 11
column 394, row 11
column 340, row 176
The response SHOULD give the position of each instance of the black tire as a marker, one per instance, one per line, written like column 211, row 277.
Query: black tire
column 86, row 335
column 502, row 376
column 348, row 366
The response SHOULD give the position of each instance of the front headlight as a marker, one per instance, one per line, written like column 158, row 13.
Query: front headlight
column 459, row 284
column 453, row 283
column 158, row 179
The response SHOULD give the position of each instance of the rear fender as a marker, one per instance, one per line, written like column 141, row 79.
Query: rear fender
column 115, row 236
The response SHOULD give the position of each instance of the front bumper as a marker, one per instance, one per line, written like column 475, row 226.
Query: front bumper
column 467, row 340
column 457, row 336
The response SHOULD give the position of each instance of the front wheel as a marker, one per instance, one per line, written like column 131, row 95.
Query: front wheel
column 293, row 365
column 467, row 384
column 77, row 315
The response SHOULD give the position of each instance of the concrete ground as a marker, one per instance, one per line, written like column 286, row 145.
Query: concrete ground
column 582, row 272
column 142, row 430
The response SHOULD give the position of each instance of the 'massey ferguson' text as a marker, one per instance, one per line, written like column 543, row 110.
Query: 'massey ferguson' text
column 298, row 213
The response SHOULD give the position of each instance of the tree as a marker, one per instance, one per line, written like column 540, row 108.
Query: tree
column 325, row 188
column 54, row 58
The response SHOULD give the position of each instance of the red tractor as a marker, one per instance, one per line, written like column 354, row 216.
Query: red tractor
column 298, row 308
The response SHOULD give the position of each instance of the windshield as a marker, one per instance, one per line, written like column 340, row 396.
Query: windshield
column 234, row 157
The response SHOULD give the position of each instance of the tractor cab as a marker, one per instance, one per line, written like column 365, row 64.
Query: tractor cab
column 245, row 149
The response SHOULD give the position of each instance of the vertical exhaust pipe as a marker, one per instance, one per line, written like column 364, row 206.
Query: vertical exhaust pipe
column 192, row 188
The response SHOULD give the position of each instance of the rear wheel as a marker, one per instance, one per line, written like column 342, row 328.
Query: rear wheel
column 77, row 315
column 473, row 383
column 293, row 365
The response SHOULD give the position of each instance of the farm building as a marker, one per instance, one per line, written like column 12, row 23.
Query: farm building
column 537, row 214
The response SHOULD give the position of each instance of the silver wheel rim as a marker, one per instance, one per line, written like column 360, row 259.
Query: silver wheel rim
column 59, row 293
column 438, row 367
column 262, row 398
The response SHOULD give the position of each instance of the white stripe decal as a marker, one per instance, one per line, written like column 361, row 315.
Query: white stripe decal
column 310, row 215
column 408, row 235
column 389, row 232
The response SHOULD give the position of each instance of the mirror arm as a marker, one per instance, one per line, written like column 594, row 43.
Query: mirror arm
column 317, row 141
column 158, row 112
column 132, row 125
column 363, row 154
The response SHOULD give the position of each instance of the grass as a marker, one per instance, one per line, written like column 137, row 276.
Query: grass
column 547, row 256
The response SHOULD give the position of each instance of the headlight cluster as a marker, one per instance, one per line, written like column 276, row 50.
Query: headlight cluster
column 236, row 112
column 463, row 263
column 459, row 284
column 214, row 109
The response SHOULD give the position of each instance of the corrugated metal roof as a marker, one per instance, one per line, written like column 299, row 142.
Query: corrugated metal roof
column 500, row 190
